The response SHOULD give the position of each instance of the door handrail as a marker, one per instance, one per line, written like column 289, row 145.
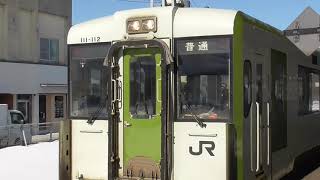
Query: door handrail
column 268, row 133
column 258, row 136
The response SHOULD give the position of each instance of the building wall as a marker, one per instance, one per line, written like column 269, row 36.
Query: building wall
column 7, row 99
column 53, row 27
column 24, row 22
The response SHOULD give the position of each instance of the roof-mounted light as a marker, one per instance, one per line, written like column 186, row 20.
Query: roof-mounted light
column 141, row 25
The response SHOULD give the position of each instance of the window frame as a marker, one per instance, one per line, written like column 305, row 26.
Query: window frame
column 18, row 114
column 70, row 46
column 303, row 108
column 49, row 50
column 154, row 103
column 230, row 73
column 55, row 107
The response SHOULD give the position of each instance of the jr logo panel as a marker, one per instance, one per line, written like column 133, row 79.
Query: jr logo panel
column 200, row 153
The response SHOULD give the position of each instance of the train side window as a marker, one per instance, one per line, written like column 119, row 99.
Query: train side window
column 303, row 92
column 247, row 87
column 308, row 90
column 314, row 91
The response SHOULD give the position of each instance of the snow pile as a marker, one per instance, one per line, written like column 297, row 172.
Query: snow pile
column 35, row 162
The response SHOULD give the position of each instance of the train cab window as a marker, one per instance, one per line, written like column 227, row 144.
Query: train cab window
column 204, row 79
column 88, row 81
column 143, row 87
column 247, row 88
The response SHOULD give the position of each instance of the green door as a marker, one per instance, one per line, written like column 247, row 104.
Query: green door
column 142, row 110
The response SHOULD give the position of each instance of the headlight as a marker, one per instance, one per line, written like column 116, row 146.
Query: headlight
column 141, row 25
column 148, row 24
column 134, row 26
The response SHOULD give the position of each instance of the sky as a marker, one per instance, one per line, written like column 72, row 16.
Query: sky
column 278, row 13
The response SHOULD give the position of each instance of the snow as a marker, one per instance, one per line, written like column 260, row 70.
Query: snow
column 35, row 162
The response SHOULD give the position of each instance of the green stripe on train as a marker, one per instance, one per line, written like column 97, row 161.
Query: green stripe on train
column 238, row 90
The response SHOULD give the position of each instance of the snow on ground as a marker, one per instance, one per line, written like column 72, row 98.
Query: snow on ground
column 35, row 162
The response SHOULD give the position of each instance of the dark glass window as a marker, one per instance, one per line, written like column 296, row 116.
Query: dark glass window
column 88, row 81
column 203, row 79
column 58, row 105
column 279, row 100
column 16, row 118
column 308, row 90
column 247, row 88
column 49, row 49
column 143, row 87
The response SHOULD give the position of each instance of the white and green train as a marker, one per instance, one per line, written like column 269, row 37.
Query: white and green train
column 177, row 93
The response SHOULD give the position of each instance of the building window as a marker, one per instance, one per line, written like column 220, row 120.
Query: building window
column 49, row 49
column 308, row 90
column 58, row 104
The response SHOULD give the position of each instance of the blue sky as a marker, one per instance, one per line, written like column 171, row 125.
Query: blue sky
column 278, row 13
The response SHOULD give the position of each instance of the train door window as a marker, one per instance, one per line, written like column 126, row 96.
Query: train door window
column 247, row 88
column 143, row 87
column 279, row 100
column 204, row 79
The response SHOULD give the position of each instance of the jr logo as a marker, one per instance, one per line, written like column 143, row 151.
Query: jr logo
column 209, row 145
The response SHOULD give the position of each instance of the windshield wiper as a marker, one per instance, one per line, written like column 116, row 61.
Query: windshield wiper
column 195, row 117
column 97, row 113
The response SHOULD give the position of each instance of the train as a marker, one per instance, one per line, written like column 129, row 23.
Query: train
column 182, row 93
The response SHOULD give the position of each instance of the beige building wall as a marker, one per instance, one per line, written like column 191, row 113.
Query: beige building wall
column 22, row 25
column 54, row 27
column 26, row 35
column 1, row 30
column 26, row 21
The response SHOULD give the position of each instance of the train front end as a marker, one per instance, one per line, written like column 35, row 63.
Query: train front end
column 150, row 97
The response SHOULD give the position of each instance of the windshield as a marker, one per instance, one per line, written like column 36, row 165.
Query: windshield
column 88, row 80
column 203, row 78
column 16, row 118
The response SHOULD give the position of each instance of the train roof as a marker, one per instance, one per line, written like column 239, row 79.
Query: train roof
column 187, row 22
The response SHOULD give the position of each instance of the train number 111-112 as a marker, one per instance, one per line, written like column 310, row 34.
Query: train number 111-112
column 90, row 39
